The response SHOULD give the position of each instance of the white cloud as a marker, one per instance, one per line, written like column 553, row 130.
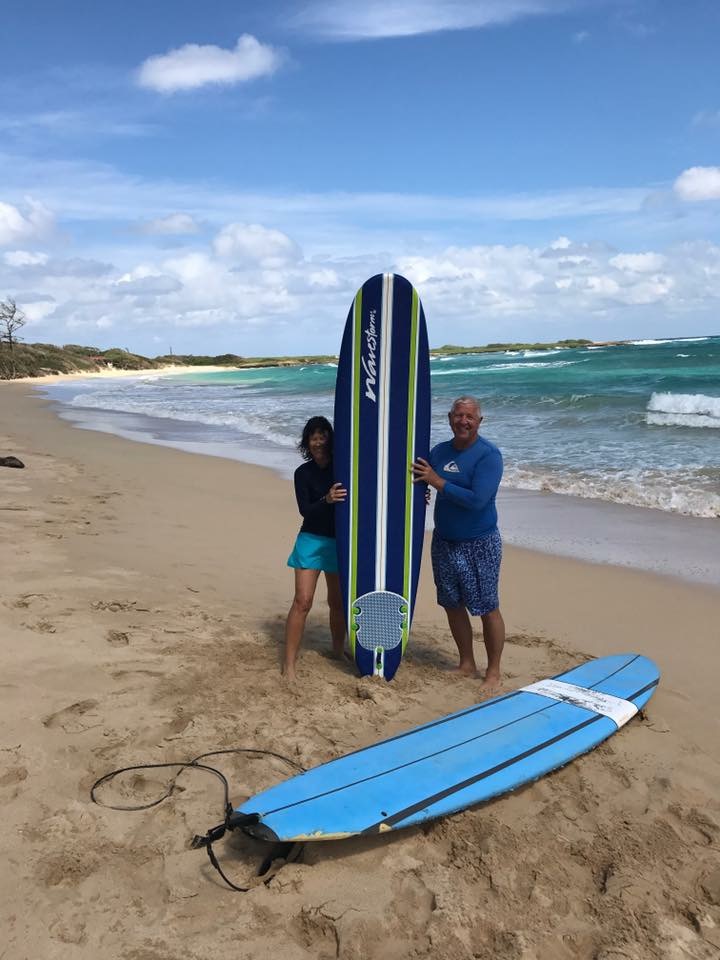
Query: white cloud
column 581, row 36
column 96, row 192
column 251, row 242
column 349, row 19
column 16, row 226
column 176, row 224
column 195, row 65
column 72, row 124
column 36, row 310
column 698, row 183
column 324, row 278
column 33, row 266
column 255, row 282
column 24, row 258
column 638, row 262
column 155, row 285
column 501, row 281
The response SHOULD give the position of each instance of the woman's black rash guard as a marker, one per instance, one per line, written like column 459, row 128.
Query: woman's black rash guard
column 311, row 484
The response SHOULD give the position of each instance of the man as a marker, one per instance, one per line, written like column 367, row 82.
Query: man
column 466, row 544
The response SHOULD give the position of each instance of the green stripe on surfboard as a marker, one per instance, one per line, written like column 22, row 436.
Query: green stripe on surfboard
column 412, row 387
column 355, row 468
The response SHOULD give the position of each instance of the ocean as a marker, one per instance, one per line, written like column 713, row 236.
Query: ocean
column 635, row 423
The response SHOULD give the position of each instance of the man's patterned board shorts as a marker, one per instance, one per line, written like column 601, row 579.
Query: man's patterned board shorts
column 467, row 572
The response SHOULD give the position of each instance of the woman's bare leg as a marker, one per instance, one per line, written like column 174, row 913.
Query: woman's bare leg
column 305, row 583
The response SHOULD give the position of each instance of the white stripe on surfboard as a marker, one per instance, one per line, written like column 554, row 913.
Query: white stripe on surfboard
column 617, row 709
column 383, row 430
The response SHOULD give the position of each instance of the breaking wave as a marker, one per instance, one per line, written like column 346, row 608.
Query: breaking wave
column 683, row 410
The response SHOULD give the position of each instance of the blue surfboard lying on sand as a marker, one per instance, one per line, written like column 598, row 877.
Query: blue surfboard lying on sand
column 382, row 424
column 459, row 760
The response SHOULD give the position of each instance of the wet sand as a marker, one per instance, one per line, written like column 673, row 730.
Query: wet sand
column 144, row 592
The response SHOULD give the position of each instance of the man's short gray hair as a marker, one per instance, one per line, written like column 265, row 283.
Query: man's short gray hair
column 473, row 400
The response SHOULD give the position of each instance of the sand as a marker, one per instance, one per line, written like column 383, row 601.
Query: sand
column 110, row 373
column 143, row 599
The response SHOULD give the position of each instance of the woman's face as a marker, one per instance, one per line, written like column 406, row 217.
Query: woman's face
column 318, row 444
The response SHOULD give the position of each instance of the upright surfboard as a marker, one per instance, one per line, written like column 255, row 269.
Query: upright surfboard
column 456, row 761
column 382, row 423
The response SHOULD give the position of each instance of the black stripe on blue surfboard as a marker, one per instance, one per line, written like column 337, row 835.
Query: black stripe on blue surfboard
column 366, row 429
column 432, row 799
column 483, row 706
column 544, row 708
column 341, row 450
column 398, row 467
column 409, row 763
column 422, row 449
column 368, row 440
column 568, row 673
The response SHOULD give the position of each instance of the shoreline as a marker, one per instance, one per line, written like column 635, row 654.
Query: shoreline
column 583, row 528
column 144, row 598
column 109, row 374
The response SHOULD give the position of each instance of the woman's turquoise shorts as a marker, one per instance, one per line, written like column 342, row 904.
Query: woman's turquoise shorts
column 313, row 552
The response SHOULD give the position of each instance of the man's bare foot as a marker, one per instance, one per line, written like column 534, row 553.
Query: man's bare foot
column 491, row 682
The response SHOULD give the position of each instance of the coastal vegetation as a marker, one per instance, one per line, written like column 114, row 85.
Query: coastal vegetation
column 19, row 359
column 450, row 350
column 43, row 359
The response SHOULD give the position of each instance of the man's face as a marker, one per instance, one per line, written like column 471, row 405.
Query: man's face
column 465, row 422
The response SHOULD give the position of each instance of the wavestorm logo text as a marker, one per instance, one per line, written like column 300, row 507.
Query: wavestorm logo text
column 369, row 363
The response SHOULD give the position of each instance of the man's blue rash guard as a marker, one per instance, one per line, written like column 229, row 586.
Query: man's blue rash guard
column 465, row 510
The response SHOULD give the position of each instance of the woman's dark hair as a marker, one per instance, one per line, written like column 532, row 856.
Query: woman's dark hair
column 315, row 425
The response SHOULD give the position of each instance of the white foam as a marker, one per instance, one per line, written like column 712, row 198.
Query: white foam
column 451, row 373
column 539, row 353
column 531, row 366
column 683, row 410
column 648, row 343
column 683, row 493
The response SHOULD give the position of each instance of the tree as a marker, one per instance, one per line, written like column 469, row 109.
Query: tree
column 11, row 320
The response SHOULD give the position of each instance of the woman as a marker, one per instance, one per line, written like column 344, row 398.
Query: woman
column 315, row 550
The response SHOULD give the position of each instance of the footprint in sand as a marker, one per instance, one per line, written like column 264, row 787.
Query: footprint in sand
column 69, row 718
column 118, row 606
column 116, row 638
column 41, row 626
column 13, row 776
column 25, row 600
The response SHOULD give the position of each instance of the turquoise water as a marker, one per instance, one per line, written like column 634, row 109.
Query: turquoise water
column 635, row 423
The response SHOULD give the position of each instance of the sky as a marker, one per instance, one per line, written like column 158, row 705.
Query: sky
column 222, row 176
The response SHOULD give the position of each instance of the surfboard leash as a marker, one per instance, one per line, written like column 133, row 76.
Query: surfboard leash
column 286, row 852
